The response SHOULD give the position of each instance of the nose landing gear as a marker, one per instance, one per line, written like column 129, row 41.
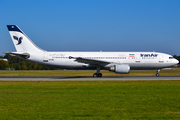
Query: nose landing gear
column 157, row 74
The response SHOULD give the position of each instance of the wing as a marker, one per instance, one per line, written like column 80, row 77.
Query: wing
column 16, row 38
column 91, row 61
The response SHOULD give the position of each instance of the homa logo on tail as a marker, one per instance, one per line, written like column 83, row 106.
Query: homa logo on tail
column 18, row 39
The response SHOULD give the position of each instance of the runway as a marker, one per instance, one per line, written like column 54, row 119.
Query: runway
column 135, row 78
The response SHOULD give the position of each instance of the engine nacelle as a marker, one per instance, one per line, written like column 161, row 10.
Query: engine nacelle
column 121, row 69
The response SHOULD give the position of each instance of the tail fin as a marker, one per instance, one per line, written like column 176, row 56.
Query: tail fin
column 21, row 42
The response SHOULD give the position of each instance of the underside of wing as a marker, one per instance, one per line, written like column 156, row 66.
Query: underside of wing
column 91, row 61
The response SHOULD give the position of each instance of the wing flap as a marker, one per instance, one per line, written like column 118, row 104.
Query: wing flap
column 91, row 61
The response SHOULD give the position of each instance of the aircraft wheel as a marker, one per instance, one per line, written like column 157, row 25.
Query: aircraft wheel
column 100, row 75
column 157, row 75
column 95, row 75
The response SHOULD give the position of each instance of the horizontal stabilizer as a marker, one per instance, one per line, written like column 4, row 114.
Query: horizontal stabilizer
column 21, row 55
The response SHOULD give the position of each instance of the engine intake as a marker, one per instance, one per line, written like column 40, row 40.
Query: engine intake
column 120, row 69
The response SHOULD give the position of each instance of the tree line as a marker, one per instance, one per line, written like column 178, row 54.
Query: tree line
column 21, row 64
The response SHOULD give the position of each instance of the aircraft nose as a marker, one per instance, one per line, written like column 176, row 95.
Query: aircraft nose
column 176, row 61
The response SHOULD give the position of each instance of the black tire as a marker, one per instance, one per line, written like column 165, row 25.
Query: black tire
column 95, row 75
column 100, row 75
column 157, row 75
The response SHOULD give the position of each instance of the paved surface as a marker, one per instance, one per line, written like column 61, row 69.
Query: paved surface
column 88, row 78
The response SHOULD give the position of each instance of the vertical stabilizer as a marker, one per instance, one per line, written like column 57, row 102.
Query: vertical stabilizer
column 21, row 42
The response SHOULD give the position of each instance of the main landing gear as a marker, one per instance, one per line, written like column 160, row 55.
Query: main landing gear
column 97, row 74
column 157, row 74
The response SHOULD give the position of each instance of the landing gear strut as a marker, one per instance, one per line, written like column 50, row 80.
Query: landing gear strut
column 157, row 74
column 97, row 74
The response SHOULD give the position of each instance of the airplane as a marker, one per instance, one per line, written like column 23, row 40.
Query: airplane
column 118, row 62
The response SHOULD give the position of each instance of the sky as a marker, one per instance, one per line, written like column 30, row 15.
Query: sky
column 94, row 25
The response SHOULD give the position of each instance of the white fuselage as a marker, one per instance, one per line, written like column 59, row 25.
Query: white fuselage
column 118, row 62
column 136, row 60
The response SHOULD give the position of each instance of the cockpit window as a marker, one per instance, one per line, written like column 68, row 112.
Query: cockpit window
column 171, row 58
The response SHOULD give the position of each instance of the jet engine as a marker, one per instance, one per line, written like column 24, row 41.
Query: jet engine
column 121, row 69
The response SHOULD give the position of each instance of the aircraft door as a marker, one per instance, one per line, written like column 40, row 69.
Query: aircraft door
column 137, row 58
column 45, row 57
column 161, row 59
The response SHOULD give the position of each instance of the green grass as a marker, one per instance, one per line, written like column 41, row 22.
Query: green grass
column 126, row 100
column 164, row 72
